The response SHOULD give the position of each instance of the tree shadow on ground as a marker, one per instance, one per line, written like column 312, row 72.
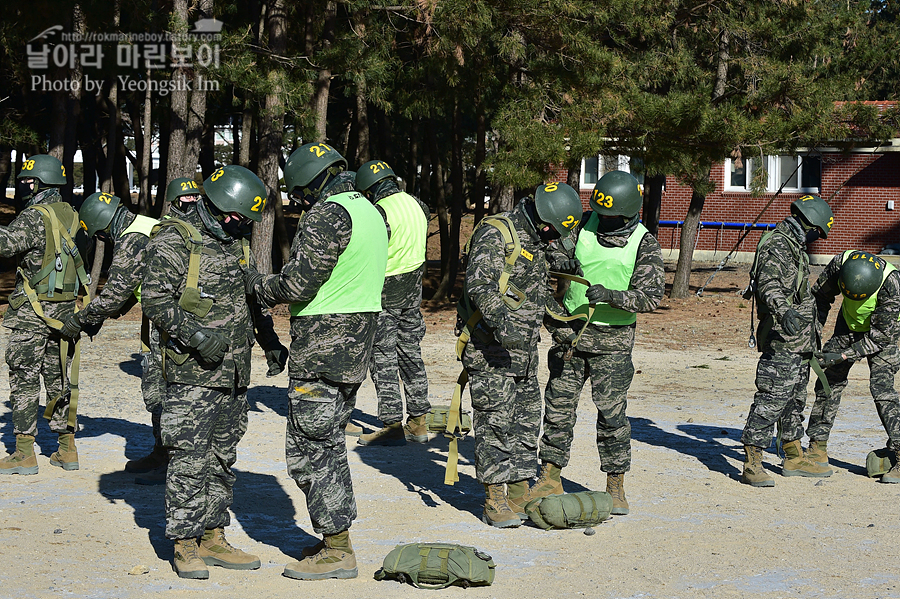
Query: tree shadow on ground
column 263, row 508
column 697, row 440
column 138, row 437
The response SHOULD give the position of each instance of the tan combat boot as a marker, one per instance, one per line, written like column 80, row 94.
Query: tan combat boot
column 67, row 456
column 390, row 435
column 754, row 473
column 818, row 452
column 215, row 550
column 517, row 497
column 415, row 429
column 187, row 562
column 158, row 458
column 796, row 464
column 615, row 486
column 335, row 560
column 22, row 460
column 351, row 430
column 497, row 511
column 548, row 482
column 893, row 475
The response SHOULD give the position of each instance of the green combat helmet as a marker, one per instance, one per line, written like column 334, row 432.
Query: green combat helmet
column 305, row 165
column 234, row 188
column 558, row 205
column 815, row 211
column 617, row 193
column 861, row 276
column 46, row 169
column 182, row 186
column 371, row 173
column 97, row 212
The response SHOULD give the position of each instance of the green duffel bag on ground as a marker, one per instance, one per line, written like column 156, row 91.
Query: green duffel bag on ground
column 878, row 462
column 437, row 566
column 570, row 510
column 436, row 421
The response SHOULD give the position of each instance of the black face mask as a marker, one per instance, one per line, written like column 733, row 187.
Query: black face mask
column 608, row 225
column 237, row 228
column 24, row 191
column 812, row 235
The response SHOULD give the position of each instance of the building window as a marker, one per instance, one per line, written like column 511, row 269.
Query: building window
column 594, row 167
column 796, row 173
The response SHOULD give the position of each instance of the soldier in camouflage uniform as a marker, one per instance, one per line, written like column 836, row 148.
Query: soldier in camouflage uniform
column 501, row 357
column 207, row 335
column 397, row 355
column 182, row 195
column 333, row 283
column 33, row 347
column 868, row 328
column 788, row 334
column 623, row 261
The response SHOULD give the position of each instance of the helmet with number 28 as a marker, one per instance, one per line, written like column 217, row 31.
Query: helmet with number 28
column 559, row 206
column 617, row 193
column 97, row 211
column 234, row 188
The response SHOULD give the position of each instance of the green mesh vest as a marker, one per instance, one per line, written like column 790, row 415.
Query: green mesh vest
column 356, row 281
column 409, row 230
column 610, row 267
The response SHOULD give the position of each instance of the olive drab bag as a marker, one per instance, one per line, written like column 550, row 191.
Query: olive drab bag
column 878, row 462
column 437, row 566
column 436, row 420
column 570, row 510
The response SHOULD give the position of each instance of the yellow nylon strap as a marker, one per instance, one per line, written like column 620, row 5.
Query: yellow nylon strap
column 586, row 317
column 145, row 334
column 454, row 416
column 194, row 243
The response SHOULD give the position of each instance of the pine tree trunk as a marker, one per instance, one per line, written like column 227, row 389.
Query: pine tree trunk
column 5, row 166
column 681, row 285
column 179, row 100
column 246, row 134
column 319, row 101
column 653, row 188
column 271, row 129
column 480, row 154
column 440, row 204
column 363, row 153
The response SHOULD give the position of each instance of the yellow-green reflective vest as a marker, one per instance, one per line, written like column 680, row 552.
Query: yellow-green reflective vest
column 356, row 281
column 409, row 231
column 858, row 313
column 611, row 267
column 143, row 225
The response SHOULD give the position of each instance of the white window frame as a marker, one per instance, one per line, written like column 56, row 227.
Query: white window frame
column 773, row 167
column 605, row 163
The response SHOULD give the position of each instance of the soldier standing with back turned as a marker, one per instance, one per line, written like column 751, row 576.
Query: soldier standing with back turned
column 788, row 334
column 397, row 355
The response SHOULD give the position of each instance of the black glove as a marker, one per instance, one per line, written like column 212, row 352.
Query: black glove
column 91, row 330
column 510, row 340
column 276, row 359
column 563, row 337
column 571, row 267
column 210, row 345
column 827, row 359
column 790, row 322
column 71, row 326
column 598, row 294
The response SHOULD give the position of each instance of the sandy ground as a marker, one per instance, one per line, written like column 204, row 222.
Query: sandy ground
column 693, row 531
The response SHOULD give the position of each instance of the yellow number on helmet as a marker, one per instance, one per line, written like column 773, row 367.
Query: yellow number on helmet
column 830, row 222
column 551, row 187
column 83, row 226
column 319, row 150
column 806, row 198
column 29, row 164
column 217, row 174
column 374, row 167
column 105, row 197
column 259, row 203
column 569, row 222
column 63, row 170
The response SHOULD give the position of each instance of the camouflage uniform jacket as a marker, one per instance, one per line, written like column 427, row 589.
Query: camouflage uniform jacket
column 25, row 237
column 487, row 254
column 645, row 291
column 125, row 275
column 778, row 263
column 222, row 276
column 332, row 346
column 403, row 290
column 885, row 328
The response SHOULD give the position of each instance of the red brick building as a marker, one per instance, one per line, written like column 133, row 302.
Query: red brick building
column 862, row 186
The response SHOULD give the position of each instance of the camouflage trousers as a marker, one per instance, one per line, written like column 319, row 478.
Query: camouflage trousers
column 316, row 452
column 201, row 427
column 153, row 384
column 882, row 368
column 396, row 357
column 611, row 376
column 781, row 380
column 507, row 418
column 33, row 355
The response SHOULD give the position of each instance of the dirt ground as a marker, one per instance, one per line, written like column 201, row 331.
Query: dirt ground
column 693, row 531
